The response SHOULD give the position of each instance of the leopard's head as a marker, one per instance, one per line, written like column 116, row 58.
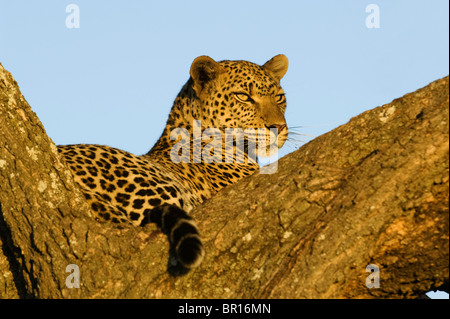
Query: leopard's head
column 241, row 94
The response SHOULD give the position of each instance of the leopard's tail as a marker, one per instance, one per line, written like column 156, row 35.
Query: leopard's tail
column 182, row 231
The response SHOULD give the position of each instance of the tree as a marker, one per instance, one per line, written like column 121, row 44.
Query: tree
column 373, row 192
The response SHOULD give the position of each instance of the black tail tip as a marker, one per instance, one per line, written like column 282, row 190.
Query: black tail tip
column 190, row 252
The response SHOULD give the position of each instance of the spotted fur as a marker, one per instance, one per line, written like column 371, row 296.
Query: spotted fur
column 126, row 188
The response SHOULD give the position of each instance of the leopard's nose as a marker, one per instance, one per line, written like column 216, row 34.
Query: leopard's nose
column 279, row 127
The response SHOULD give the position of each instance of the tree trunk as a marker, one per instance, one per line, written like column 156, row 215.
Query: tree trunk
column 373, row 192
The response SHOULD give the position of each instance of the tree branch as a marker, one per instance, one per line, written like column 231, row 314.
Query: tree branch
column 373, row 191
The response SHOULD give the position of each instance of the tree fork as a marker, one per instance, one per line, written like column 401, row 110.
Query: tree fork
column 371, row 192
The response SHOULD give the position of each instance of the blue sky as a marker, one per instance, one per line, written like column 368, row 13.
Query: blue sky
column 113, row 80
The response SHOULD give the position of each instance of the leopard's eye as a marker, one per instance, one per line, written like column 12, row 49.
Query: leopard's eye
column 242, row 97
column 280, row 98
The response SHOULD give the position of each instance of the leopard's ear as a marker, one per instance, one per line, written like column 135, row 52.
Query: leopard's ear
column 277, row 66
column 203, row 71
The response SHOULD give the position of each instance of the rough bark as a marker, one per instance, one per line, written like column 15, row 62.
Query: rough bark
column 373, row 191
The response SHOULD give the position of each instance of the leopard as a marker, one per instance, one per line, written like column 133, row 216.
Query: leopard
column 163, row 187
